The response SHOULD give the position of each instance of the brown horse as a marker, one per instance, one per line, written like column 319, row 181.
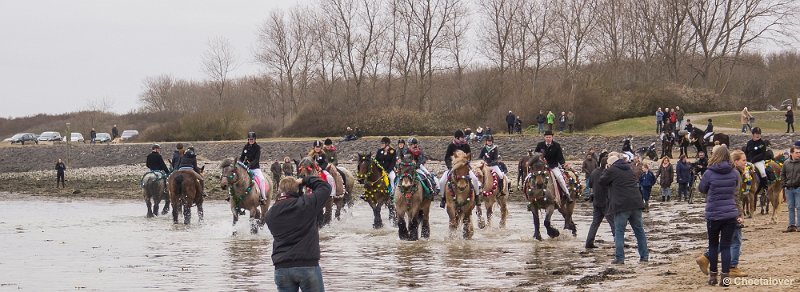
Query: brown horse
column 155, row 190
column 308, row 167
column 344, row 187
column 772, row 194
column 411, row 202
column 184, row 192
column 540, row 189
column 749, row 187
column 702, row 145
column 244, row 193
column 490, row 194
column 376, row 188
column 460, row 195
column 522, row 169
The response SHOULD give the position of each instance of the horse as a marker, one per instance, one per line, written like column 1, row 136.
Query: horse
column 344, row 188
column 772, row 194
column 490, row 193
column 749, row 188
column 155, row 190
column 185, row 191
column 244, row 193
column 376, row 188
column 702, row 145
column 460, row 195
column 648, row 152
column 539, row 189
column 411, row 202
column 308, row 167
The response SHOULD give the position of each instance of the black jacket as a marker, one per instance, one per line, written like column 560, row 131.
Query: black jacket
column 599, row 190
column 387, row 158
column 510, row 118
column 541, row 119
column 552, row 154
column 60, row 167
column 293, row 224
column 176, row 159
column 276, row 170
column 155, row 162
column 448, row 155
column 93, row 135
column 321, row 159
column 251, row 155
column 489, row 155
column 114, row 133
column 189, row 159
column 623, row 188
column 756, row 150
column 789, row 116
column 709, row 128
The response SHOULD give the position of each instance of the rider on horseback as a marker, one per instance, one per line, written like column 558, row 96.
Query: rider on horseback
column 177, row 155
column 419, row 159
column 627, row 149
column 551, row 151
column 459, row 143
column 251, row 156
column 318, row 155
column 188, row 164
column 387, row 158
column 402, row 150
column 330, row 151
column 756, row 152
column 156, row 164
column 490, row 156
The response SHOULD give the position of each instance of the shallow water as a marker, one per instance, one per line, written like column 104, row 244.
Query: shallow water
column 95, row 244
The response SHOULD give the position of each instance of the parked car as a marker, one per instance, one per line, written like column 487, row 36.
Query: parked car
column 76, row 137
column 129, row 134
column 24, row 137
column 102, row 138
column 50, row 136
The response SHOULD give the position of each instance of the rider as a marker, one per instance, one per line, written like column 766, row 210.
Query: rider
column 490, row 155
column 156, row 164
column 251, row 156
column 458, row 144
column 330, row 151
column 387, row 158
column 318, row 155
column 177, row 155
column 402, row 150
column 709, row 130
column 756, row 152
column 627, row 149
column 419, row 159
column 551, row 151
column 188, row 163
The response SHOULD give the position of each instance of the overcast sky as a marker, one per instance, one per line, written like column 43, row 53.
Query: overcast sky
column 59, row 56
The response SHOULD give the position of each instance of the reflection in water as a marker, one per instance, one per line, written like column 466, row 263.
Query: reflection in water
column 100, row 244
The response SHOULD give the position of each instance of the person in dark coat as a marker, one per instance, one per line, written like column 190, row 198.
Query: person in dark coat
column 756, row 152
column 188, row 164
column 510, row 119
column 665, row 177
column 154, row 160
column 114, row 132
column 554, row 156
column 93, row 136
column 667, row 142
column 288, row 166
column 599, row 204
column 646, row 182
column 330, row 151
column 318, row 155
column 176, row 156
column 625, row 204
column 491, row 156
column 293, row 224
column 251, row 156
column 720, row 184
column 683, row 172
column 276, row 171
column 789, row 120
column 540, row 120
column 387, row 158
column 61, row 168
column 459, row 143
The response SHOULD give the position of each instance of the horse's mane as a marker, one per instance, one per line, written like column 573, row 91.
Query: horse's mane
column 225, row 163
column 460, row 159
column 535, row 160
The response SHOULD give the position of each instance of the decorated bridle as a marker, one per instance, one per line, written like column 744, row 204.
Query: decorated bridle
column 491, row 191
column 407, row 171
column 379, row 185
column 234, row 178
column 452, row 180
column 534, row 175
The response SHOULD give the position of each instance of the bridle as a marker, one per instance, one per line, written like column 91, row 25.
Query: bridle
column 452, row 185
column 533, row 187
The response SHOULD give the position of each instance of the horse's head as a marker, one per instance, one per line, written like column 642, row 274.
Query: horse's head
column 307, row 167
column 459, row 175
column 539, row 174
column 364, row 167
column 406, row 171
column 228, row 173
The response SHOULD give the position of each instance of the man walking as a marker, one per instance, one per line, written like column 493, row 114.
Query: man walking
column 60, row 169
column 510, row 119
column 570, row 121
column 659, row 120
column 625, row 204
column 93, row 136
column 540, row 120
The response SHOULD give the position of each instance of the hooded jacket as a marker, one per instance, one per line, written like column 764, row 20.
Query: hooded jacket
column 623, row 189
column 720, row 184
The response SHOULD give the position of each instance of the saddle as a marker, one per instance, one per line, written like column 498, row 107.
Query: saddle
column 158, row 173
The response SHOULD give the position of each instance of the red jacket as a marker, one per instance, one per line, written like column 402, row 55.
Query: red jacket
column 673, row 117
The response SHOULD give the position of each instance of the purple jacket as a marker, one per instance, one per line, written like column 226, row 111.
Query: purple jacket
column 720, row 182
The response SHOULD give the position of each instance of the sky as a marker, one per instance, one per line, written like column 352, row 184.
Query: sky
column 61, row 56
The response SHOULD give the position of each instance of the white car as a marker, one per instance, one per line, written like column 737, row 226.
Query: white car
column 129, row 134
column 76, row 137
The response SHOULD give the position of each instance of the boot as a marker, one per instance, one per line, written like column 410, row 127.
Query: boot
column 442, row 204
column 663, row 199
column 500, row 186
column 703, row 263
column 736, row 273
column 724, row 279
column 712, row 279
column 646, row 206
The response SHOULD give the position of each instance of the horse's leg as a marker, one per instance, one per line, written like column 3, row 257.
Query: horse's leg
column 200, row 209
column 328, row 212
column 490, row 210
column 253, row 215
column 426, row 227
column 413, row 230
column 175, row 207
column 479, row 212
column 156, row 205
column 149, row 206
column 187, row 212
column 775, row 196
column 552, row 232
column 453, row 224
column 402, row 231
column 392, row 212
column 468, row 229
column 166, row 205
column 235, row 214
column 339, row 205
column 535, row 212
column 377, row 221
column 503, row 210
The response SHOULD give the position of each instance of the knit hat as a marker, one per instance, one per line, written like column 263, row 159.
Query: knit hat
column 612, row 159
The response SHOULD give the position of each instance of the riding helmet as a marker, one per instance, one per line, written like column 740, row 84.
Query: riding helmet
column 401, row 141
column 251, row 135
column 155, row 146
column 413, row 141
column 489, row 138
column 756, row 130
column 458, row 134
column 317, row 143
column 386, row 140
column 328, row 142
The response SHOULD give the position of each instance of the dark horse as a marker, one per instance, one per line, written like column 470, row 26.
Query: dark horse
column 376, row 188
column 184, row 192
column 155, row 190
column 701, row 144
column 244, row 193
column 539, row 189
column 411, row 202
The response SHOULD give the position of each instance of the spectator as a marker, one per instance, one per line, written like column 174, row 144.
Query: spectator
column 689, row 127
column 114, row 132
column 673, row 120
column 293, row 224
column 625, row 204
column 680, row 114
column 562, row 122
column 646, row 183
column 789, row 120
column 722, row 216
column 93, row 136
column 349, row 135
column 790, row 178
column 551, row 118
column 479, row 134
column 659, row 120
column 510, row 119
column 488, row 131
column 744, row 118
column 667, row 141
column 599, row 204
column 665, row 177
column 60, row 169
column 518, row 125
column 684, row 173
column 588, row 166
column 288, row 166
column 570, row 121
column 540, row 120
column 468, row 134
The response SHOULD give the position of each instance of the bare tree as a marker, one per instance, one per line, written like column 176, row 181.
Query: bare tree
column 218, row 62
column 531, row 41
column 500, row 17
column 572, row 27
column 156, row 95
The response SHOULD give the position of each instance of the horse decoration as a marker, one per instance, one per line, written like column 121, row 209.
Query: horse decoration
column 344, row 187
column 244, row 193
column 185, row 191
column 460, row 195
column 376, row 188
column 697, row 138
column 648, row 152
column 308, row 167
column 412, row 200
column 748, row 189
column 490, row 194
column 540, row 191
column 154, row 187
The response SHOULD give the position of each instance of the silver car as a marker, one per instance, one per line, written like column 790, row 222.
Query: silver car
column 129, row 134
column 50, row 136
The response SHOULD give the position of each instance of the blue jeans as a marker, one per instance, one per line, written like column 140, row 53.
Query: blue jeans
column 646, row 192
column 665, row 192
column 621, row 220
column 307, row 279
column 736, row 247
column 586, row 191
column 541, row 128
column 793, row 203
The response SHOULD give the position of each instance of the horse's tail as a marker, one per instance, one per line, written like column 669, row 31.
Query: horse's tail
column 178, row 185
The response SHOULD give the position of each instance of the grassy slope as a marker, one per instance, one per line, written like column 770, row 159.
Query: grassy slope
column 770, row 122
